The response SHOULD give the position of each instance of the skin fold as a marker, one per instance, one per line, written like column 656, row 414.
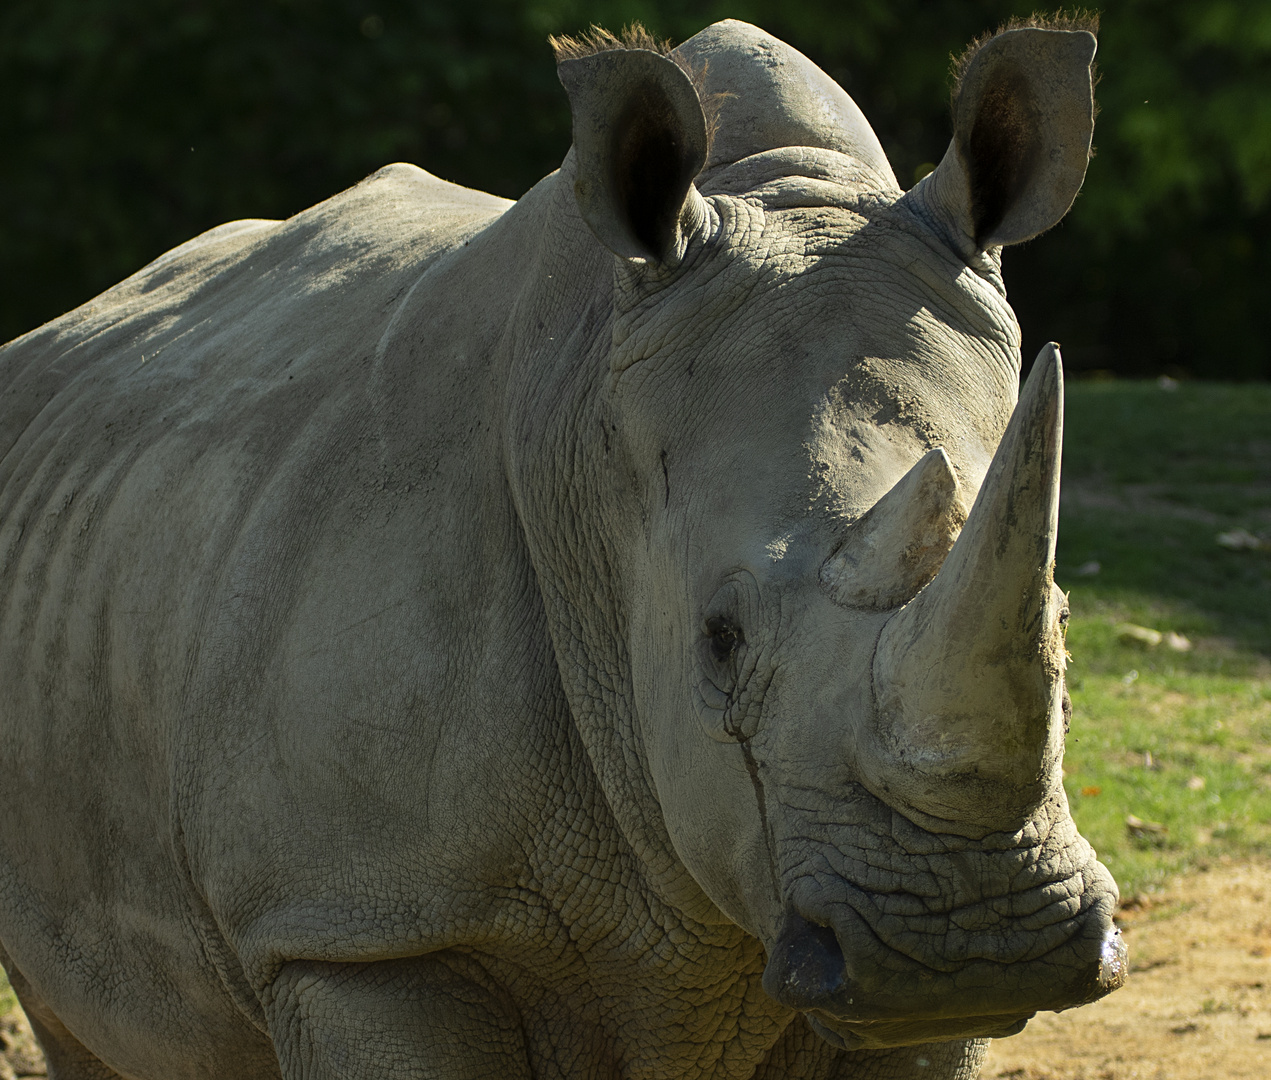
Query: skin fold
column 442, row 637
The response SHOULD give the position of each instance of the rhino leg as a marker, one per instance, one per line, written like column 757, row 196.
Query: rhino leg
column 800, row 1052
column 67, row 1057
column 435, row 1016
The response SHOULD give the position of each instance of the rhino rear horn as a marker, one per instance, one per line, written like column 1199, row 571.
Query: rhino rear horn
column 968, row 676
column 1022, row 126
column 901, row 541
column 640, row 137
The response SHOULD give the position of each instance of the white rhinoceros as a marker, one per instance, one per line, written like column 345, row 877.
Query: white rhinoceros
column 607, row 635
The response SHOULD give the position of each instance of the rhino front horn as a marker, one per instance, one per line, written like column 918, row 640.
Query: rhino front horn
column 968, row 677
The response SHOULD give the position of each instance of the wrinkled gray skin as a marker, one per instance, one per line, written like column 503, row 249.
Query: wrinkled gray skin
column 444, row 637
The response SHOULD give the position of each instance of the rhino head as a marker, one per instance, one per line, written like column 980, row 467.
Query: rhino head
column 795, row 533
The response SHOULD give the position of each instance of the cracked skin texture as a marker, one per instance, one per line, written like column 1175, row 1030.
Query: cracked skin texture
column 352, row 576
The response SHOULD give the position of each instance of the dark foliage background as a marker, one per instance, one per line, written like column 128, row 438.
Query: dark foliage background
column 128, row 126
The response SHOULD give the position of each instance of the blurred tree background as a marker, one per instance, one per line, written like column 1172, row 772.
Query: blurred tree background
column 131, row 125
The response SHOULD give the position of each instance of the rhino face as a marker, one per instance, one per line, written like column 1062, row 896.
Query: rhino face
column 836, row 530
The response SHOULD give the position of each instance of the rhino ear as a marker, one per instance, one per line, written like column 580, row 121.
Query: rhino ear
column 639, row 139
column 1023, row 118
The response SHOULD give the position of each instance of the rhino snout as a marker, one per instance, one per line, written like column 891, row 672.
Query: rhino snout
column 859, row 991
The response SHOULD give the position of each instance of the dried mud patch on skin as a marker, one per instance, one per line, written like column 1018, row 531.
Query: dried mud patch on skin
column 1197, row 1003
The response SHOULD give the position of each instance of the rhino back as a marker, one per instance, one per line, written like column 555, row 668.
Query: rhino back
column 247, row 512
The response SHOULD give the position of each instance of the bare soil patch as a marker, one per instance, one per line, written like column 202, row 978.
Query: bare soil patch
column 1197, row 1005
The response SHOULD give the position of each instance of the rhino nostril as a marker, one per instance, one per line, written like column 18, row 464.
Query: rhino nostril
column 806, row 965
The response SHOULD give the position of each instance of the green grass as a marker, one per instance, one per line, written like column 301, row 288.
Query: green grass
column 8, row 1001
column 1177, row 739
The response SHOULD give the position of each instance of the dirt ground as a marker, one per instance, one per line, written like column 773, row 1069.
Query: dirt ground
column 1197, row 1005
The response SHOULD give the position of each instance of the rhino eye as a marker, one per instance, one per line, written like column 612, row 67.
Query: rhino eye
column 725, row 638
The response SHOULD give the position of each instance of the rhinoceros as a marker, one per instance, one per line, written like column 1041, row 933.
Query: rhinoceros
column 611, row 634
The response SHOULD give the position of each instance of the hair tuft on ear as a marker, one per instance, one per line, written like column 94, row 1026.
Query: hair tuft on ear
column 634, row 36
column 598, row 40
column 1079, row 19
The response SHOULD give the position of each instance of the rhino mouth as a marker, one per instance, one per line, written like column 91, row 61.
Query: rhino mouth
column 877, row 953
column 868, row 995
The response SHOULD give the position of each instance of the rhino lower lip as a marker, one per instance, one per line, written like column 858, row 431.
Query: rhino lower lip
column 874, row 1034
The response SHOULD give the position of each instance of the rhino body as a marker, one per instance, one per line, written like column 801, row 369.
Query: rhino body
column 447, row 637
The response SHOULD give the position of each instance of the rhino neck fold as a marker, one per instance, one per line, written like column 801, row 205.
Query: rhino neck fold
column 558, row 451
